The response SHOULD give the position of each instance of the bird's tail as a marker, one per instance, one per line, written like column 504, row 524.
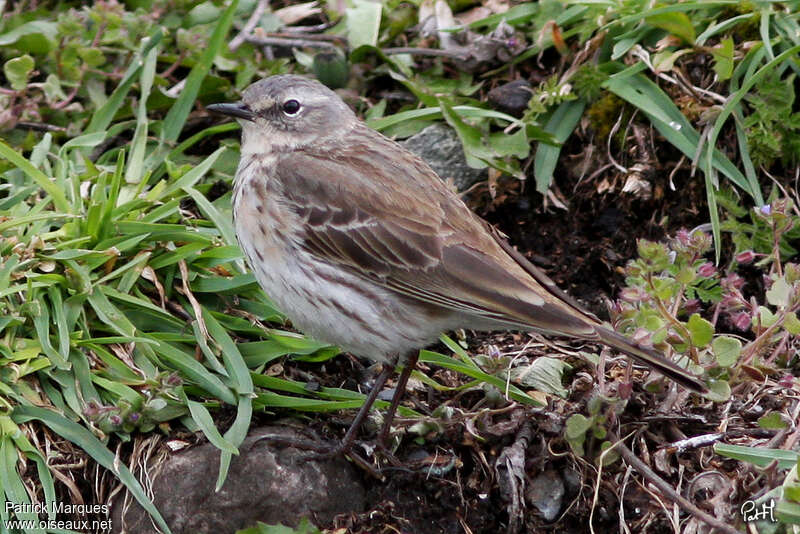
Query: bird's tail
column 652, row 358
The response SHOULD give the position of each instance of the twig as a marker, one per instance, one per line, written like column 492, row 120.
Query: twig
column 72, row 94
column 314, row 28
column 424, row 52
column 666, row 489
column 41, row 126
column 311, row 37
column 112, row 75
column 288, row 43
column 622, row 523
column 240, row 38
column 596, row 495
column 177, row 63
column 695, row 442
column 509, row 472
column 705, row 440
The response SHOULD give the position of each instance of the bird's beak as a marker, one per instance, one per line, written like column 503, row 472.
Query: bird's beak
column 236, row 109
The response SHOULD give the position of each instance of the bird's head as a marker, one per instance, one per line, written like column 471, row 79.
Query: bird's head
column 287, row 112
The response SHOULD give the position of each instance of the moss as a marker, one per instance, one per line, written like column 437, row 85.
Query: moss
column 604, row 113
column 748, row 29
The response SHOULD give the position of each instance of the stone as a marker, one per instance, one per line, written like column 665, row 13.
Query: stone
column 546, row 494
column 511, row 97
column 440, row 147
column 265, row 482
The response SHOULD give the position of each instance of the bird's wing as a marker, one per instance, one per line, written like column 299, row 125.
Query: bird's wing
column 383, row 214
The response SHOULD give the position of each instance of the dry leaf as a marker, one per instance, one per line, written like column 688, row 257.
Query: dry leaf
column 295, row 13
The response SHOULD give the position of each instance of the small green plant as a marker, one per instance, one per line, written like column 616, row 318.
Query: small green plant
column 548, row 95
column 678, row 301
column 580, row 431
column 773, row 129
column 588, row 82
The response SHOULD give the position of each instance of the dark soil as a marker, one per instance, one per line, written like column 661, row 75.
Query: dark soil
column 582, row 248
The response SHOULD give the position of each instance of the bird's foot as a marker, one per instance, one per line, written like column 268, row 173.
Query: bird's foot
column 347, row 451
column 386, row 453
column 322, row 451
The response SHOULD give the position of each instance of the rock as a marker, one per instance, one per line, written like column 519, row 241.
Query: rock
column 440, row 146
column 546, row 493
column 265, row 483
column 512, row 97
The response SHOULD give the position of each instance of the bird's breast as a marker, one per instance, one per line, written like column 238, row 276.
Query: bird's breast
column 265, row 229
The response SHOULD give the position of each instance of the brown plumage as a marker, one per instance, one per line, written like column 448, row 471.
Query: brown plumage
column 362, row 245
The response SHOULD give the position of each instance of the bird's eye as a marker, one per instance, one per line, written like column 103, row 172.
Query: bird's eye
column 291, row 107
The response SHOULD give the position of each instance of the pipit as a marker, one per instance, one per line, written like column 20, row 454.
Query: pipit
column 363, row 246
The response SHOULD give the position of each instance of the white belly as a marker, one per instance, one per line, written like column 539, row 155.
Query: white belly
column 323, row 301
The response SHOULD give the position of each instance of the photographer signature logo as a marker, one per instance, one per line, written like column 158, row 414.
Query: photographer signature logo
column 752, row 511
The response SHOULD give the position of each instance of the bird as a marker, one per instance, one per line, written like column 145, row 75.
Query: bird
column 362, row 245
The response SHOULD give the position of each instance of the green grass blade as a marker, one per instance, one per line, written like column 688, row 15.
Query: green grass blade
column 11, row 483
column 135, row 170
column 199, row 136
column 211, row 358
column 426, row 356
column 744, row 153
column 714, row 29
column 436, row 113
column 84, row 439
column 195, row 371
column 110, row 314
column 763, row 28
column 223, row 223
column 9, row 429
column 682, row 7
column 206, row 424
column 238, row 283
column 105, row 113
column 176, row 117
column 235, row 435
column 117, row 388
column 758, row 456
column 234, row 362
column 192, row 177
column 733, row 101
column 645, row 95
column 41, row 179
column 41, row 323
column 269, row 399
column 459, row 351
column 561, row 125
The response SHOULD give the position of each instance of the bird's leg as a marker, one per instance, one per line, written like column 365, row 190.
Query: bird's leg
column 350, row 436
column 344, row 447
column 347, row 442
column 323, row 452
column 383, row 437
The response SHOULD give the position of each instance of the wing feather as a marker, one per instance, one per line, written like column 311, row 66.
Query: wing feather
column 417, row 238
